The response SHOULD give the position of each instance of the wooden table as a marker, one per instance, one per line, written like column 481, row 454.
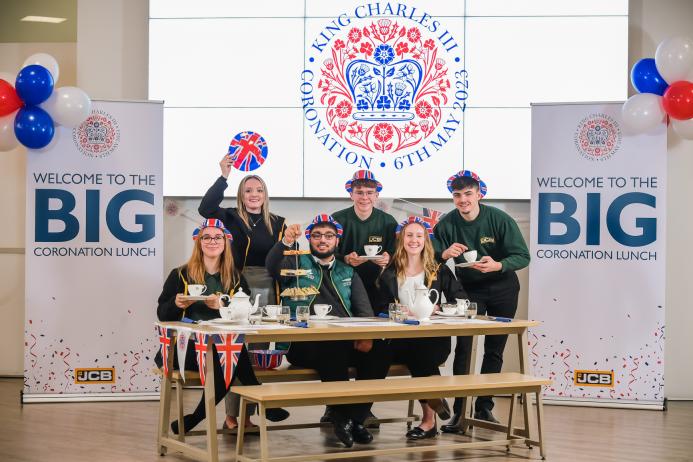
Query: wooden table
column 326, row 331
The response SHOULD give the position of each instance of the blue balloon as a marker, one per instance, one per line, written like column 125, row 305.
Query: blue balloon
column 34, row 84
column 33, row 127
column 646, row 79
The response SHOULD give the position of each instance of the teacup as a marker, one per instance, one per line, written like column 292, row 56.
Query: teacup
column 372, row 250
column 196, row 290
column 462, row 305
column 449, row 309
column 322, row 310
column 470, row 255
column 272, row 311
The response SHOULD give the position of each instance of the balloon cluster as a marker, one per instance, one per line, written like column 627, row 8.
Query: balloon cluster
column 30, row 109
column 665, row 89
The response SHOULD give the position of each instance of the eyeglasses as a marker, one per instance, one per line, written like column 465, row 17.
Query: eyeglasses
column 208, row 239
column 327, row 236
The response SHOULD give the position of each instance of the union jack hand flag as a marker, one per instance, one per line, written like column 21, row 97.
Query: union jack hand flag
column 248, row 151
column 431, row 216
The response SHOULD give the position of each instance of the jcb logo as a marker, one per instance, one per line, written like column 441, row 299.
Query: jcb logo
column 95, row 375
column 604, row 379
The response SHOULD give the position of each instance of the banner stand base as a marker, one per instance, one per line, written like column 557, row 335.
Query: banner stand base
column 621, row 404
column 28, row 398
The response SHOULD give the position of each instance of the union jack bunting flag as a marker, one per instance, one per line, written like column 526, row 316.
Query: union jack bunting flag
column 201, row 353
column 248, row 151
column 164, row 343
column 229, row 348
column 431, row 216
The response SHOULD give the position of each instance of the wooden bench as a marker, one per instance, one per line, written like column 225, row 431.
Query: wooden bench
column 290, row 374
column 275, row 395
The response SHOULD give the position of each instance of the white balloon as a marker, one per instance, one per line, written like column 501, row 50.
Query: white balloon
column 8, row 77
column 683, row 128
column 8, row 140
column 68, row 106
column 674, row 58
column 45, row 60
column 643, row 112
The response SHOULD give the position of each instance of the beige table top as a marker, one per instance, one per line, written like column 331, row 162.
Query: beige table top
column 326, row 331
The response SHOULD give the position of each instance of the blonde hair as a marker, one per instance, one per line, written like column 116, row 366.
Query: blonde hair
column 243, row 213
column 401, row 258
column 196, row 266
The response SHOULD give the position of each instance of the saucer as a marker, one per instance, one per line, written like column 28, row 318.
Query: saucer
column 194, row 298
column 454, row 315
column 466, row 264
column 370, row 257
column 329, row 317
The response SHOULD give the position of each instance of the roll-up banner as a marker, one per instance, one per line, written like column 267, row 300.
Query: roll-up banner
column 597, row 278
column 94, row 256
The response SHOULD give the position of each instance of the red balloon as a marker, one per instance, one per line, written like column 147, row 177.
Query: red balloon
column 678, row 100
column 9, row 101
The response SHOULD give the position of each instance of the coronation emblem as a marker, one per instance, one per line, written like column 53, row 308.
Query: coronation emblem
column 384, row 90
column 598, row 137
column 98, row 136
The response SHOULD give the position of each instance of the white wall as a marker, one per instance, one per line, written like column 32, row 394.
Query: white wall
column 651, row 22
column 112, row 63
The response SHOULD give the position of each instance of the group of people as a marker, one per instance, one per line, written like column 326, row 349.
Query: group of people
column 244, row 247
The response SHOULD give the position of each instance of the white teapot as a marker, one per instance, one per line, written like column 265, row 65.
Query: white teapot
column 239, row 307
column 421, row 307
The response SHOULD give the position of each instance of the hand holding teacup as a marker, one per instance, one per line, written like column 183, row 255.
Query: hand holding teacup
column 213, row 301
column 454, row 251
column 353, row 259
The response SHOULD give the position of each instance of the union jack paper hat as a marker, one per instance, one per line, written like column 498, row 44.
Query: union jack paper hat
column 418, row 220
column 469, row 173
column 324, row 218
column 212, row 223
column 363, row 175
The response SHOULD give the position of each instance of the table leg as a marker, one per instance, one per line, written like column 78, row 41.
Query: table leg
column 467, row 402
column 513, row 397
column 210, row 407
column 540, row 419
column 165, row 401
column 264, row 452
column 241, row 427
column 179, row 407
column 522, row 349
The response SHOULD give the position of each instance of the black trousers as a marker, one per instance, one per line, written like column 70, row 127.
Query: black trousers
column 495, row 298
column 332, row 360
column 423, row 356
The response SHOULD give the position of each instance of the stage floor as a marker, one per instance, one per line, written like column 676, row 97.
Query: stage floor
column 122, row 431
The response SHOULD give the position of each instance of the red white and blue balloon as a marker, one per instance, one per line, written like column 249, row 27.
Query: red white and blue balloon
column 30, row 106
column 665, row 89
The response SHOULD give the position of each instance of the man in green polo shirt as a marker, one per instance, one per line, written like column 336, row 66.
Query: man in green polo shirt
column 491, row 282
column 365, row 225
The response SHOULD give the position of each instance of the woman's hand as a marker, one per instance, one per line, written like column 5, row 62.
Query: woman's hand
column 182, row 304
column 213, row 302
column 225, row 165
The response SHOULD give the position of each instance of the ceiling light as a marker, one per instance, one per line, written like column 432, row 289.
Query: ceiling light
column 43, row 19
